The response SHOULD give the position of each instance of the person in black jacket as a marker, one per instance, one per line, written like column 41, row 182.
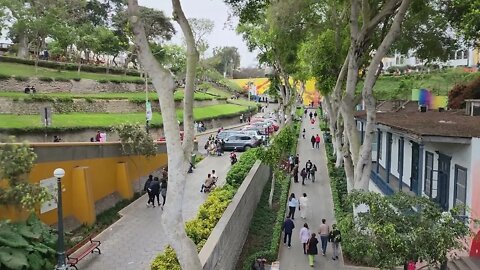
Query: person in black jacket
column 146, row 189
column 163, row 190
column 287, row 228
column 312, row 249
column 155, row 190
column 313, row 140
column 335, row 237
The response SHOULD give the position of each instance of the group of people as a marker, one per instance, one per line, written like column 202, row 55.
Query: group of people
column 214, row 146
column 30, row 89
column 315, row 140
column 309, row 239
column 308, row 172
column 199, row 126
column 156, row 187
column 210, row 183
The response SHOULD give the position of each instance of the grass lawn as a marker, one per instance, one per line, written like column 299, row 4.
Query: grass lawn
column 29, row 71
column 244, row 102
column 104, row 120
column 138, row 96
column 439, row 83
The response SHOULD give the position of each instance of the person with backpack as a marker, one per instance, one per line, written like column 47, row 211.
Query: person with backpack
column 146, row 189
column 312, row 173
column 308, row 167
column 303, row 174
column 335, row 238
column 155, row 191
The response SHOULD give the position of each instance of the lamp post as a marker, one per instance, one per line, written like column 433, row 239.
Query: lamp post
column 59, row 173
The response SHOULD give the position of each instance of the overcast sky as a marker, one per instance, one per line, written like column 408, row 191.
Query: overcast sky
column 216, row 10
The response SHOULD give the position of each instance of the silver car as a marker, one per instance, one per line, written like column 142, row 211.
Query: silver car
column 241, row 142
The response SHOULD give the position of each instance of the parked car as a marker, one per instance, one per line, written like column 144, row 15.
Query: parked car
column 262, row 131
column 273, row 124
column 222, row 135
column 241, row 142
column 256, row 133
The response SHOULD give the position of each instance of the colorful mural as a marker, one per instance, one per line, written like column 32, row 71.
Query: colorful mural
column 426, row 98
column 262, row 84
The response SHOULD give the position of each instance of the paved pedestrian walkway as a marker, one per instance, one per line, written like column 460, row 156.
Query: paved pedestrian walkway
column 134, row 241
column 320, row 204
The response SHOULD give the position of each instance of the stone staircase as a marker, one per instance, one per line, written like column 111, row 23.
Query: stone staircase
column 464, row 263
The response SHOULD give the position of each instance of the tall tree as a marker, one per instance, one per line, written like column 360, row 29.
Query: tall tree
column 201, row 28
column 225, row 59
column 178, row 154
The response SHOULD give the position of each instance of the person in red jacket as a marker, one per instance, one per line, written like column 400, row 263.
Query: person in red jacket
column 317, row 141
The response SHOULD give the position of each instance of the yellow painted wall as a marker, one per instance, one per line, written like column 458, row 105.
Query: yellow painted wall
column 102, row 176
column 311, row 92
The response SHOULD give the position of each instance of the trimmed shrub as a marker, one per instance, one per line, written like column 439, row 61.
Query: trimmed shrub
column 103, row 81
column 5, row 77
column 21, row 78
column 61, row 79
column 46, row 79
column 77, row 79
column 116, row 81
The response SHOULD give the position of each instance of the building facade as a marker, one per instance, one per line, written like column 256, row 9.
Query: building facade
column 433, row 154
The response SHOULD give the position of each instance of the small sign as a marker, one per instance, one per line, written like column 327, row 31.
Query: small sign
column 148, row 109
column 46, row 116
column 51, row 185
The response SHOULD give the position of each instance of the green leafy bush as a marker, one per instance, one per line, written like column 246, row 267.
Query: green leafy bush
column 61, row 79
column 5, row 77
column 46, row 79
column 209, row 214
column 239, row 170
column 27, row 245
column 77, row 79
column 116, row 81
column 21, row 78
column 103, row 81
column 135, row 140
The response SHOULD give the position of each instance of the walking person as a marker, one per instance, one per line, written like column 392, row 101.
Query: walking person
column 315, row 114
column 311, row 115
column 303, row 133
column 304, row 236
column 241, row 118
column 317, row 142
column 303, row 174
column 146, row 189
column 324, row 232
column 287, row 228
column 292, row 205
column 295, row 173
column 291, row 163
column 297, row 159
column 163, row 191
column 308, row 167
column 313, row 140
column 335, row 238
column 303, row 206
column 312, row 173
column 155, row 190
column 312, row 249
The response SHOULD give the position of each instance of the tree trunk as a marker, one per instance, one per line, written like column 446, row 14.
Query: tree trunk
column 348, row 166
column 364, row 163
column 190, row 77
column 272, row 190
column 23, row 51
column 163, row 81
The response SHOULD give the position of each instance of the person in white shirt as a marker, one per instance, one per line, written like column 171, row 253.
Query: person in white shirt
column 304, row 236
column 292, row 205
column 303, row 207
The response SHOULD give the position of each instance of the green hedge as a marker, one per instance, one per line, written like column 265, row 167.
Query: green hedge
column 69, row 66
column 5, row 77
column 271, row 244
column 239, row 171
column 209, row 214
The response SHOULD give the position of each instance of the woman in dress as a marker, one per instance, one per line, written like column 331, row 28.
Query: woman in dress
column 304, row 236
column 303, row 206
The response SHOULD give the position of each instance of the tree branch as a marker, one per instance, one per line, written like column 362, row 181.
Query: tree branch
column 192, row 61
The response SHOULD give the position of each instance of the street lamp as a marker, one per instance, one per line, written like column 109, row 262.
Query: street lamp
column 59, row 173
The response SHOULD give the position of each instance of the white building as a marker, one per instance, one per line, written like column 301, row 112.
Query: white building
column 433, row 154
column 462, row 57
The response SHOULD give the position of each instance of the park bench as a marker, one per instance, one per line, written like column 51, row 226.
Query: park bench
column 81, row 250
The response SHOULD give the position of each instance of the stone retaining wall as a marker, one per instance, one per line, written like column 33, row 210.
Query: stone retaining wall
column 85, row 134
column 82, row 86
column 223, row 247
column 11, row 106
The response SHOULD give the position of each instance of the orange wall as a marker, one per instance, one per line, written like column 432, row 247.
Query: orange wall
column 103, row 178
